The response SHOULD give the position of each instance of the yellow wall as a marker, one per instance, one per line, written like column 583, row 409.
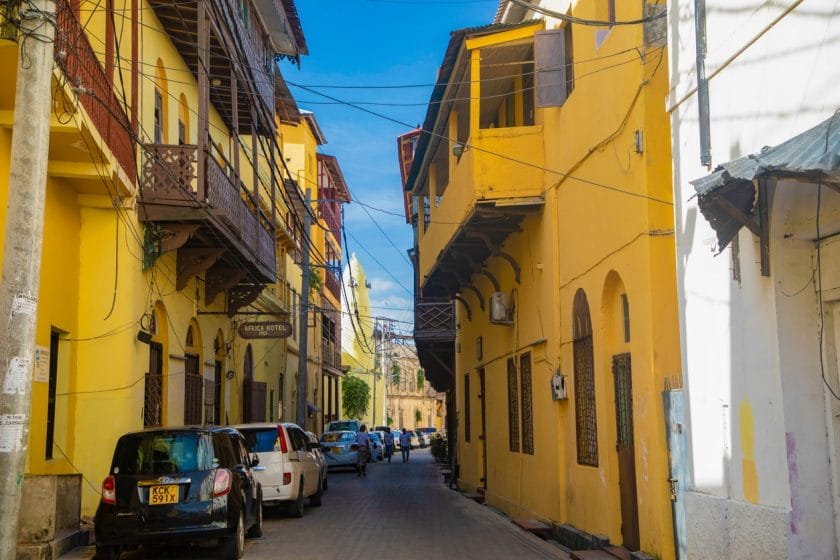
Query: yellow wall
column 94, row 291
column 587, row 236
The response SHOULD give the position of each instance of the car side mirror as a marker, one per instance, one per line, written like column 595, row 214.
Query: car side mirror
column 255, row 460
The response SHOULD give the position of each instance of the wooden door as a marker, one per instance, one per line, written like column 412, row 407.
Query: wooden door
column 153, row 398
column 483, row 436
column 625, row 448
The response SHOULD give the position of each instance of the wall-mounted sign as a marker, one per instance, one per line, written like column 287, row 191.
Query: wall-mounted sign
column 265, row 329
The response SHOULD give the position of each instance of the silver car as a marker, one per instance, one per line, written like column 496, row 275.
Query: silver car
column 337, row 449
column 320, row 457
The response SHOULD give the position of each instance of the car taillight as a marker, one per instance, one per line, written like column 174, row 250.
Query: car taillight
column 109, row 491
column 284, row 447
column 287, row 478
column 222, row 483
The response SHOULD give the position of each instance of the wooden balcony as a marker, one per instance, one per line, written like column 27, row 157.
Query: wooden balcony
column 214, row 216
column 233, row 50
column 434, row 320
column 75, row 56
column 483, row 200
column 332, row 282
column 330, row 354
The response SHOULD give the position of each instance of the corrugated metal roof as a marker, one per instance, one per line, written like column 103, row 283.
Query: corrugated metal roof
column 811, row 156
column 456, row 40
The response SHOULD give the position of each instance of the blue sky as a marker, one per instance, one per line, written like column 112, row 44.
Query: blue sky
column 376, row 43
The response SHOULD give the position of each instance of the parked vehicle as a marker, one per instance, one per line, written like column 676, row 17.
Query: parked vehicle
column 341, row 425
column 415, row 441
column 288, row 470
column 429, row 431
column 177, row 485
column 337, row 449
column 422, row 438
column 320, row 458
column 377, row 446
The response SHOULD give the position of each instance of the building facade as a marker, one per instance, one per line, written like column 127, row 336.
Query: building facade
column 546, row 289
column 162, row 223
column 756, row 225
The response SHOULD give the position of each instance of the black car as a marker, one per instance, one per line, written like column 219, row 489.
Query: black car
column 177, row 485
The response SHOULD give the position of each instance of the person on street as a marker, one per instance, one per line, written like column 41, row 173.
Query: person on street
column 405, row 444
column 389, row 444
column 362, row 450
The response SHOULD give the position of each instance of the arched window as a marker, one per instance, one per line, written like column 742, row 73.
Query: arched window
column 584, row 380
column 183, row 120
column 161, row 124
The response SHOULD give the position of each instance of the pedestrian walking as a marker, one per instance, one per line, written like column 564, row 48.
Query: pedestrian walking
column 405, row 444
column 362, row 450
column 389, row 444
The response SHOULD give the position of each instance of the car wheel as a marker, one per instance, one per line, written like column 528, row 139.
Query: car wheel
column 235, row 544
column 296, row 507
column 256, row 530
column 315, row 499
column 107, row 553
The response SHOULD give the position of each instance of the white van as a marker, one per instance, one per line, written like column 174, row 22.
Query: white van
column 288, row 470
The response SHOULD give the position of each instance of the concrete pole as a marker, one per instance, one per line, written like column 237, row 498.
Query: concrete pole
column 303, row 369
column 22, row 253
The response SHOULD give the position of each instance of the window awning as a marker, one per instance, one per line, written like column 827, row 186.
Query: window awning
column 729, row 195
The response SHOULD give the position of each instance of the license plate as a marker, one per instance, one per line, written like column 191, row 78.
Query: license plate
column 336, row 450
column 167, row 494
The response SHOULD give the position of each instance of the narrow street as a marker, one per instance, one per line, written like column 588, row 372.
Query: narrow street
column 398, row 509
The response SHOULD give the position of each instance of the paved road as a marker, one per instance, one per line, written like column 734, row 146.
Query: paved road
column 399, row 510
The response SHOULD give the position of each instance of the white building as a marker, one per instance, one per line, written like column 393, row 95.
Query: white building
column 758, row 356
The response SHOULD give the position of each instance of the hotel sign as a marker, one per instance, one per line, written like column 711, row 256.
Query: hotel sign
column 266, row 329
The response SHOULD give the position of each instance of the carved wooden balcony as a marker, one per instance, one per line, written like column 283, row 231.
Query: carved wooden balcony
column 206, row 215
column 434, row 321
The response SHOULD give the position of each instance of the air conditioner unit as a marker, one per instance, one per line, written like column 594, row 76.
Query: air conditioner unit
column 500, row 311
column 558, row 387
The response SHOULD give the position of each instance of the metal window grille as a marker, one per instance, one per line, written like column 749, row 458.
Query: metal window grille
column 467, row 407
column 623, row 399
column 193, row 391
column 513, row 407
column 527, row 406
column 586, row 425
column 153, row 398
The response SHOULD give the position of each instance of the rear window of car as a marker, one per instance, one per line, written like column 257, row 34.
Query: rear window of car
column 340, row 425
column 260, row 441
column 375, row 437
column 333, row 438
column 163, row 453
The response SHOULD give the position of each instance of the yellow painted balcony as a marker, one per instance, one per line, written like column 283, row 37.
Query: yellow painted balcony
column 497, row 180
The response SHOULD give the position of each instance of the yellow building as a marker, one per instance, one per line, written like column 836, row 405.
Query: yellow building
column 164, row 203
column 319, row 176
column 546, row 295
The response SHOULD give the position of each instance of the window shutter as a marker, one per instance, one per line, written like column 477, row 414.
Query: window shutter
column 550, row 65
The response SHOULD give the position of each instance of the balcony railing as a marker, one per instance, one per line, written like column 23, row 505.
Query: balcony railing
column 330, row 354
column 76, row 57
column 256, row 56
column 333, row 284
column 171, row 191
column 434, row 320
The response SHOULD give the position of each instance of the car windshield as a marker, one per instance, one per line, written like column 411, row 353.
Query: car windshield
column 334, row 437
column 163, row 453
column 260, row 441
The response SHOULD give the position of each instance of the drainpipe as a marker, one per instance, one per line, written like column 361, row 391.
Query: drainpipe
column 702, row 83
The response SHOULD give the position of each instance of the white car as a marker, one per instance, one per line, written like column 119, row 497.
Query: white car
column 288, row 470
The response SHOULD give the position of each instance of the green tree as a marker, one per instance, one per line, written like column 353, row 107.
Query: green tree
column 355, row 396
column 421, row 378
column 389, row 421
column 316, row 284
column 395, row 373
column 418, row 416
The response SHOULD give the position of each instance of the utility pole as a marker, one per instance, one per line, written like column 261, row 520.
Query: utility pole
column 22, row 253
column 303, row 373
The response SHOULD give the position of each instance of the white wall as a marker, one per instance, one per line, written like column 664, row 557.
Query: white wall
column 750, row 346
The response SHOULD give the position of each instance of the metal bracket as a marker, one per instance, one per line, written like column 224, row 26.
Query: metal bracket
column 465, row 304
